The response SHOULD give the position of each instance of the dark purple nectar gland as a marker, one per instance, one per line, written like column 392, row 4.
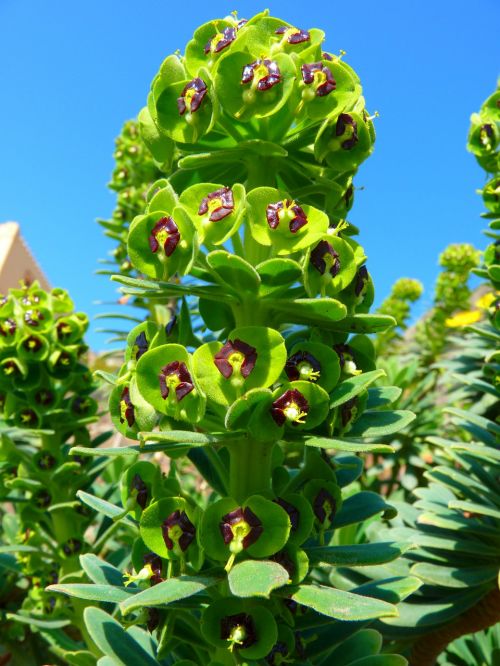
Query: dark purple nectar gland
column 192, row 96
column 325, row 259
column 72, row 546
column 11, row 369
column 139, row 491
column 164, row 234
column 141, row 345
column 278, row 654
column 46, row 461
column 63, row 330
column 303, row 365
column 292, row 511
column 348, row 412
column 319, row 77
column 33, row 318
column 486, row 135
column 155, row 563
column 286, row 211
column 127, row 412
column 293, row 35
column 178, row 532
column 153, row 619
column 42, row 499
column 324, row 508
column 346, row 125
column 175, row 377
column 346, row 359
column 238, row 630
column 360, row 281
column 221, row 40
column 239, row 529
column 262, row 74
column 8, row 328
column 170, row 326
column 218, row 204
column 81, row 405
column 236, row 357
column 291, row 407
column 28, row 418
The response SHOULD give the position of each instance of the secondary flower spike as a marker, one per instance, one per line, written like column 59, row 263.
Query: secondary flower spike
column 175, row 376
column 263, row 74
column 286, row 210
column 236, row 355
column 165, row 233
column 219, row 204
column 320, row 76
column 192, row 96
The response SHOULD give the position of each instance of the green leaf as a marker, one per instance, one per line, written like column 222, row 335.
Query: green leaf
column 473, row 507
column 235, row 272
column 365, row 323
column 91, row 592
column 314, row 311
column 383, row 395
column 470, row 417
column 361, row 506
column 252, row 578
column 357, row 555
column 353, row 386
column 168, row 591
column 459, row 577
column 352, row 445
column 114, row 641
column 393, row 590
column 342, row 605
column 80, row 658
column 379, row 424
column 100, row 572
column 35, row 622
column 99, row 505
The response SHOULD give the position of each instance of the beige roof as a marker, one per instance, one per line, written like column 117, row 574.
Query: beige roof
column 16, row 261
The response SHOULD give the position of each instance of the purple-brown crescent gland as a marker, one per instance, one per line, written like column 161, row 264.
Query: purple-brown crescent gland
column 32, row 344
column 141, row 345
column 361, row 280
column 140, row 489
column 348, row 411
column 239, row 630
column 178, row 529
column 8, row 327
column 324, row 506
column 286, row 210
column 263, row 74
column 164, row 234
column 319, row 76
column 347, row 125
column 291, row 407
column 242, row 525
column 292, row 511
column 218, row 204
column 221, row 40
column 302, row 365
column 235, row 355
column 33, row 318
column 155, row 563
column 192, row 96
column 127, row 412
column 175, row 376
column 324, row 258
column 293, row 35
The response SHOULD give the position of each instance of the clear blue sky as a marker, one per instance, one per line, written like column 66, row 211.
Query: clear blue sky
column 72, row 72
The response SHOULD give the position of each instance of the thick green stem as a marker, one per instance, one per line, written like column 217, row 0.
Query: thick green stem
column 250, row 468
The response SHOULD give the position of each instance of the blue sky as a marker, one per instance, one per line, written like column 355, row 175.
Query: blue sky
column 72, row 72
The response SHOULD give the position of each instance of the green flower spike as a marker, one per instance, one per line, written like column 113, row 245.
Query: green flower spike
column 276, row 219
column 166, row 380
column 248, row 629
column 252, row 357
column 259, row 527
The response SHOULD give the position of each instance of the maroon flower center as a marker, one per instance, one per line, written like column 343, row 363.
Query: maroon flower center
column 242, row 525
column 63, row 330
column 192, row 96
column 324, row 506
column 164, row 234
column 141, row 491
column 156, row 564
column 320, row 76
column 263, row 74
column 277, row 654
column 293, row 35
column 175, row 376
column 347, row 125
column 348, row 411
column 239, row 629
column 302, row 365
column 290, row 407
column 127, row 412
column 8, row 327
column 292, row 511
column 178, row 529
column 236, row 355
column 44, row 397
column 361, row 280
column 33, row 318
column 141, row 345
column 28, row 417
column 324, row 258
column 218, row 204
column 286, row 210
column 32, row 344
column 221, row 40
